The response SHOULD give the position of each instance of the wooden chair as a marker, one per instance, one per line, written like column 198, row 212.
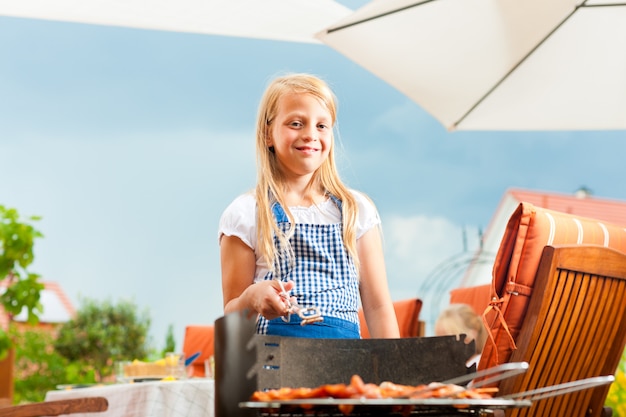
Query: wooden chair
column 573, row 328
column 55, row 408
column 7, row 371
column 528, row 231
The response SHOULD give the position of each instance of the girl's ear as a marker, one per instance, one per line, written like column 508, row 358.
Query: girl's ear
column 268, row 136
column 268, row 141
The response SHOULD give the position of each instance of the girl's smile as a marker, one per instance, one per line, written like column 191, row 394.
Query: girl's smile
column 307, row 149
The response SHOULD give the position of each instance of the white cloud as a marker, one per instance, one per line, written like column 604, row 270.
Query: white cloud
column 426, row 257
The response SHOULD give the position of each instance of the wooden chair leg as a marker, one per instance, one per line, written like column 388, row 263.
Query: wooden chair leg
column 607, row 412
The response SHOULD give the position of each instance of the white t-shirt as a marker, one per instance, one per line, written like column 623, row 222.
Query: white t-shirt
column 239, row 219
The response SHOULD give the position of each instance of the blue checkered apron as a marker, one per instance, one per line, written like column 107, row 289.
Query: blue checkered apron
column 324, row 276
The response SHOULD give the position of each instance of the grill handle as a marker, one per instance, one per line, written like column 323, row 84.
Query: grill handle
column 500, row 372
column 560, row 389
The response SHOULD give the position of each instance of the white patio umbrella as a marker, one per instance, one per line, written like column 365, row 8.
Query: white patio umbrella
column 284, row 20
column 497, row 64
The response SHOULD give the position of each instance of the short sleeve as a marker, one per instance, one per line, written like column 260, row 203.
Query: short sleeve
column 239, row 219
column 368, row 215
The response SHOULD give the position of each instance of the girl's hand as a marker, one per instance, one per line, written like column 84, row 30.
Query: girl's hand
column 266, row 298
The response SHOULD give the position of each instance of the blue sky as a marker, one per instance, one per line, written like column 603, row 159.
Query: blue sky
column 130, row 143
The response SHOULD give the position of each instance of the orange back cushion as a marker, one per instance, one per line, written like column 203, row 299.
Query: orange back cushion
column 477, row 297
column 198, row 338
column 528, row 231
column 407, row 314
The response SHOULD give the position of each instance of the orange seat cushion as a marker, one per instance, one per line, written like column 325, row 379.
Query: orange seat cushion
column 407, row 314
column 528, row 231
column 199, row 338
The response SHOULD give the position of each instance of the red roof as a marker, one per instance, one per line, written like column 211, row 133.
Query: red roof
column 584, row 205
column 57, row 307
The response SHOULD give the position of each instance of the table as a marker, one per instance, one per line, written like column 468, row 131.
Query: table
column 187, row 398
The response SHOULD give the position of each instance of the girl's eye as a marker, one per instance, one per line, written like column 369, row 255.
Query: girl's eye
column 296, row 124
column 322, row 126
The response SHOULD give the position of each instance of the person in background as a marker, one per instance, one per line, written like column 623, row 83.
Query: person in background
column 302, row 239
column 462, row 319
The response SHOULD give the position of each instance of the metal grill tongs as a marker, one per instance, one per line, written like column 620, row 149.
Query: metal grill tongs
column 499, row 372
column 307, row 315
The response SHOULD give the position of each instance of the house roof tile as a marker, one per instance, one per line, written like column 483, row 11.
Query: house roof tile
column 612, row 211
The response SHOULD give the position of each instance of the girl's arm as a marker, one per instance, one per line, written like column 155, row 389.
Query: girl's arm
column 375, row 297
column 238, row 264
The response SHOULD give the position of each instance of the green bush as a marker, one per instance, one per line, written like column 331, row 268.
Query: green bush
column 103, row 332
column 617, row 392
column 39, row 368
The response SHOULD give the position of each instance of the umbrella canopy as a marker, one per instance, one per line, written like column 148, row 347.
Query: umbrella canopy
column 496, row 64
column 284, row 20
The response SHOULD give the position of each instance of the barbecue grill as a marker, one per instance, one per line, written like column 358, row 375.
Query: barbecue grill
column 246, row 362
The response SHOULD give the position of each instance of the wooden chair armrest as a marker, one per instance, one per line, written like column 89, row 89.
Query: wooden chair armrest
column 55, row 408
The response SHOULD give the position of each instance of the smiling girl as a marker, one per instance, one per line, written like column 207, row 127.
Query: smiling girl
column 302, row 238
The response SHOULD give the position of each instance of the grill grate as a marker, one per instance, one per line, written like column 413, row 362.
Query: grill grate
column 389, row 407
column 368, row 411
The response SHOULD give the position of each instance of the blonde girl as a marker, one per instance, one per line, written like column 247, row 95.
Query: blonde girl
column 302, row 231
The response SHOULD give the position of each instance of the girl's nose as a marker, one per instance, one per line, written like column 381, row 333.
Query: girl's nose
column 310, row 133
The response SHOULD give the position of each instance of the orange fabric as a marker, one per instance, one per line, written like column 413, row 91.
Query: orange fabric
column 494, row 306
column 477, row 297
column 199, row 338
column 528, row 231
column 407, row 314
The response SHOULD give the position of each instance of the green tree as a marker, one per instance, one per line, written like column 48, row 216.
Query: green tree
column 23, row 289
column 39, row 368
column 170, row 341
column 102, row 333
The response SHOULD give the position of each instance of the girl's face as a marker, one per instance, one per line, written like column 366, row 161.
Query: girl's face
column 301, row 134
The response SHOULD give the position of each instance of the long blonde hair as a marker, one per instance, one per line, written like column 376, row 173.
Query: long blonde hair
column 270, row 184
